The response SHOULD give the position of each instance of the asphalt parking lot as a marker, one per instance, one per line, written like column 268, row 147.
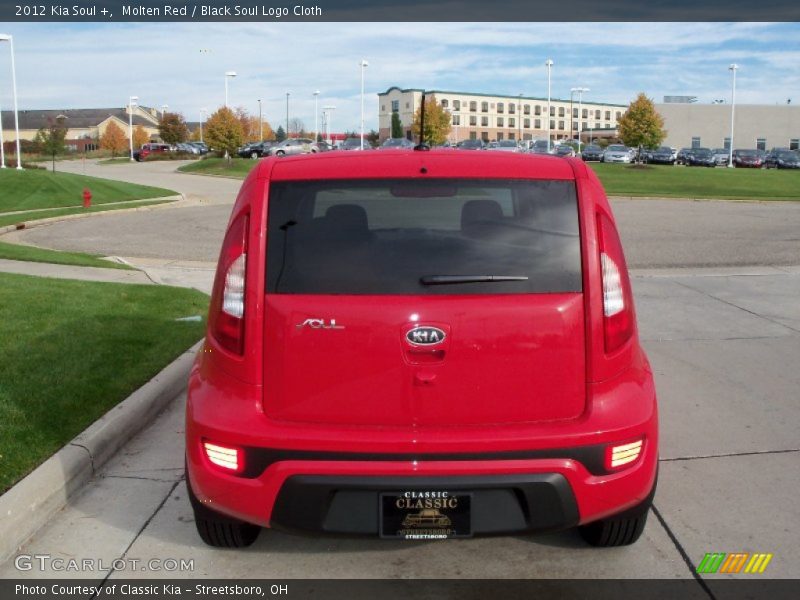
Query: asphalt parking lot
column 717, row 287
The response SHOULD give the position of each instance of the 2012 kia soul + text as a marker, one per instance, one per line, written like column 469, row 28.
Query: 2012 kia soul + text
column 421, row 333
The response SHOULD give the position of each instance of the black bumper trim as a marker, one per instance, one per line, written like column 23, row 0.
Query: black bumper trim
column 501, row 504
column 257, row 460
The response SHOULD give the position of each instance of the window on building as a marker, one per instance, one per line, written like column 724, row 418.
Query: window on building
column 383, row 108
column 473, row 106
column 553, row 111
column 445, row 103
column 608, row 115
column 527, row 136
column 512, row 122
column 484, row 107
column 597, row 115
column 485, row 136
column 695, row 142
column 560, row 111
column 552, row 124
column 511, row 108
column 726, row 143
column 456, row 119
column 561, row 125
column 526, row 123
column 395, row 105
column 456, row 104
column 500, row 107
column 794, row 144
column 511, row 136
column 408, row 105
column 574, row 113
column 619, row 114
column 574, row 126
column 537, row 110
column 484, row 121
column 473, row 135
column 473, row 121
column 526, row 109
column 499, row 135
column 499, row 121
column 537, row 124
column 761, row 143
column 585, row 113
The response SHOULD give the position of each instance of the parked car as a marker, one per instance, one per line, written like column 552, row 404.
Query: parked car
column 617, row 153
column 256, row 149
column 743, row 158
column 187, row 148
column 700, row 157
column 354, row 143
column 782, row 159
column 454, row 299
column 477, row 144
column 292, row 146
column 592, row 152
column 149, row 149
column 721, row 156
column 201, row 146
column 324, row 146
column 563, row 150
column 661, row 156
column 540, row 147
column 680, row 158
column 396, row 143
column 505, row 146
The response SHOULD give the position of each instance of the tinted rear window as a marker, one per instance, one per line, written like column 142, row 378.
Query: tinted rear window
column 384, row 236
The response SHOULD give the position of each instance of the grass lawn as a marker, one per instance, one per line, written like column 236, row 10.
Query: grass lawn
column 56, row 257
column 698, row 182
column 37, row 188
column 236, row 167
column 72, row 350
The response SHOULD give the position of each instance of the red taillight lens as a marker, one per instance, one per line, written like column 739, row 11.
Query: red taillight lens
column 225, row 457
column 618, row 318
column 226, row 315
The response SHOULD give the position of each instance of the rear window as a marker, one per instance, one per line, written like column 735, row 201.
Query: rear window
column 399, row 236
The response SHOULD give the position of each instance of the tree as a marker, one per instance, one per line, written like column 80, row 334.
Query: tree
column 641, row 125
column 140, row 136
column 195, row 135
column 223, row 131
column 373, row 137
column 437, row 123
column 397, row 126
column 113, row 139
column 280, row 134
column 173, row 129
column 297, row 127
column 50, row 139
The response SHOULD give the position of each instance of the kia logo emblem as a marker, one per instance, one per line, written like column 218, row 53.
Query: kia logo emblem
column 425, row 336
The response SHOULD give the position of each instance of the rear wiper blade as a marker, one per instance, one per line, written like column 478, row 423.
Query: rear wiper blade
column 451, row 279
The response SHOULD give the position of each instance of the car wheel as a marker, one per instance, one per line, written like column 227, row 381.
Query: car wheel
column 280, row 153
column 254, row 155
column 622, row 529
column 216, row 529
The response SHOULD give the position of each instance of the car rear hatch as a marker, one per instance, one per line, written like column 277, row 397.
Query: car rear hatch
column 434, row 303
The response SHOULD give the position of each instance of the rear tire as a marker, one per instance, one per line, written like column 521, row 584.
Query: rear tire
column 622, row 529
column 254, row 155
column 218, row 530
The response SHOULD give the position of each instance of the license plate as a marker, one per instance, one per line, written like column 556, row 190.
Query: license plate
column 425, row 515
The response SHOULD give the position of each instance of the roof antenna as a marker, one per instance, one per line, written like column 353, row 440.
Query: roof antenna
column 422, row 146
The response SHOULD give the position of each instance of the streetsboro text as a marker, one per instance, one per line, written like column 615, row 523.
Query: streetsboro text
column 204, row 10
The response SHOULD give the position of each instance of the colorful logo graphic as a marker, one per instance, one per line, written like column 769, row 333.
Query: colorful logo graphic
column 734, row 562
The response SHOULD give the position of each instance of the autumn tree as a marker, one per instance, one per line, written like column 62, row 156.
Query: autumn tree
column 172, row 128
column 397, row 126
column 113, row 139
column 195, row 135
column 437, row 122
column 223, row 131
column 641, row 125
column 140, row 136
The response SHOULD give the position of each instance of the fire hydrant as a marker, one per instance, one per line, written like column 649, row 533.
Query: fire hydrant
column 87, row 198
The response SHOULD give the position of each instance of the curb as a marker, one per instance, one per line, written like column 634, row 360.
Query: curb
column 684, row 199
column 27, row 506
column 167, row 201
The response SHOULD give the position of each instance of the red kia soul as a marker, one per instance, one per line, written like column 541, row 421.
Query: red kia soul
column 421, row 345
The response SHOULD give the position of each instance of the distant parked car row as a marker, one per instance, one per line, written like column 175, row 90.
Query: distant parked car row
column 154, row 148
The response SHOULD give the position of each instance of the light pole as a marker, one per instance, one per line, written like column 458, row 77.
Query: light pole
column 519, row 120
column 287, row 115
column 316, row 116
column 549, row 64
column 580, row 91
column 329, row 119
column 164, row 108
column 363, row 64
column 732, row 69
column 203, row 113
column 132, row 100
column 4, row 37
column 228, row 75
column 260, row 123
column 2, row 143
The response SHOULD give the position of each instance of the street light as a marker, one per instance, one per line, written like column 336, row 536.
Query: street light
column 2, row 143
column 260, row 123
column 549, row 64
column 203, row 113
column 580, row 91
column 132, row 100
column 329, row 119
column 4, row 37
column 363, row 64
column 732, row 69
column 316, row 116
column 228, row 75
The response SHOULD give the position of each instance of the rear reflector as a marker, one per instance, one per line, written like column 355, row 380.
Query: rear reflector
column 222, row 456
column 624, row 454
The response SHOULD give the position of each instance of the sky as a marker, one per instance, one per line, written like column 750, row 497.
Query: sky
column 182, row 65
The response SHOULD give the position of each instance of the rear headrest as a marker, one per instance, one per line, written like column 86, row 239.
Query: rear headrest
column 478, row 213
column 347, row 221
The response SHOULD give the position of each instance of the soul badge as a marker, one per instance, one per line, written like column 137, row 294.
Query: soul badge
column 425, row 514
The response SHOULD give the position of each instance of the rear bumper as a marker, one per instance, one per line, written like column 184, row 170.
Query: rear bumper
column 527, row 477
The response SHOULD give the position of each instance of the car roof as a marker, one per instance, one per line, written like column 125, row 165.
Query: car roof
column 410, row 163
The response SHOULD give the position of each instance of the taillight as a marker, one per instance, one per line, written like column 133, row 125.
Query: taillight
column 618, row 318
column 225, row 457
column 623, row 454
column 226, row 315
